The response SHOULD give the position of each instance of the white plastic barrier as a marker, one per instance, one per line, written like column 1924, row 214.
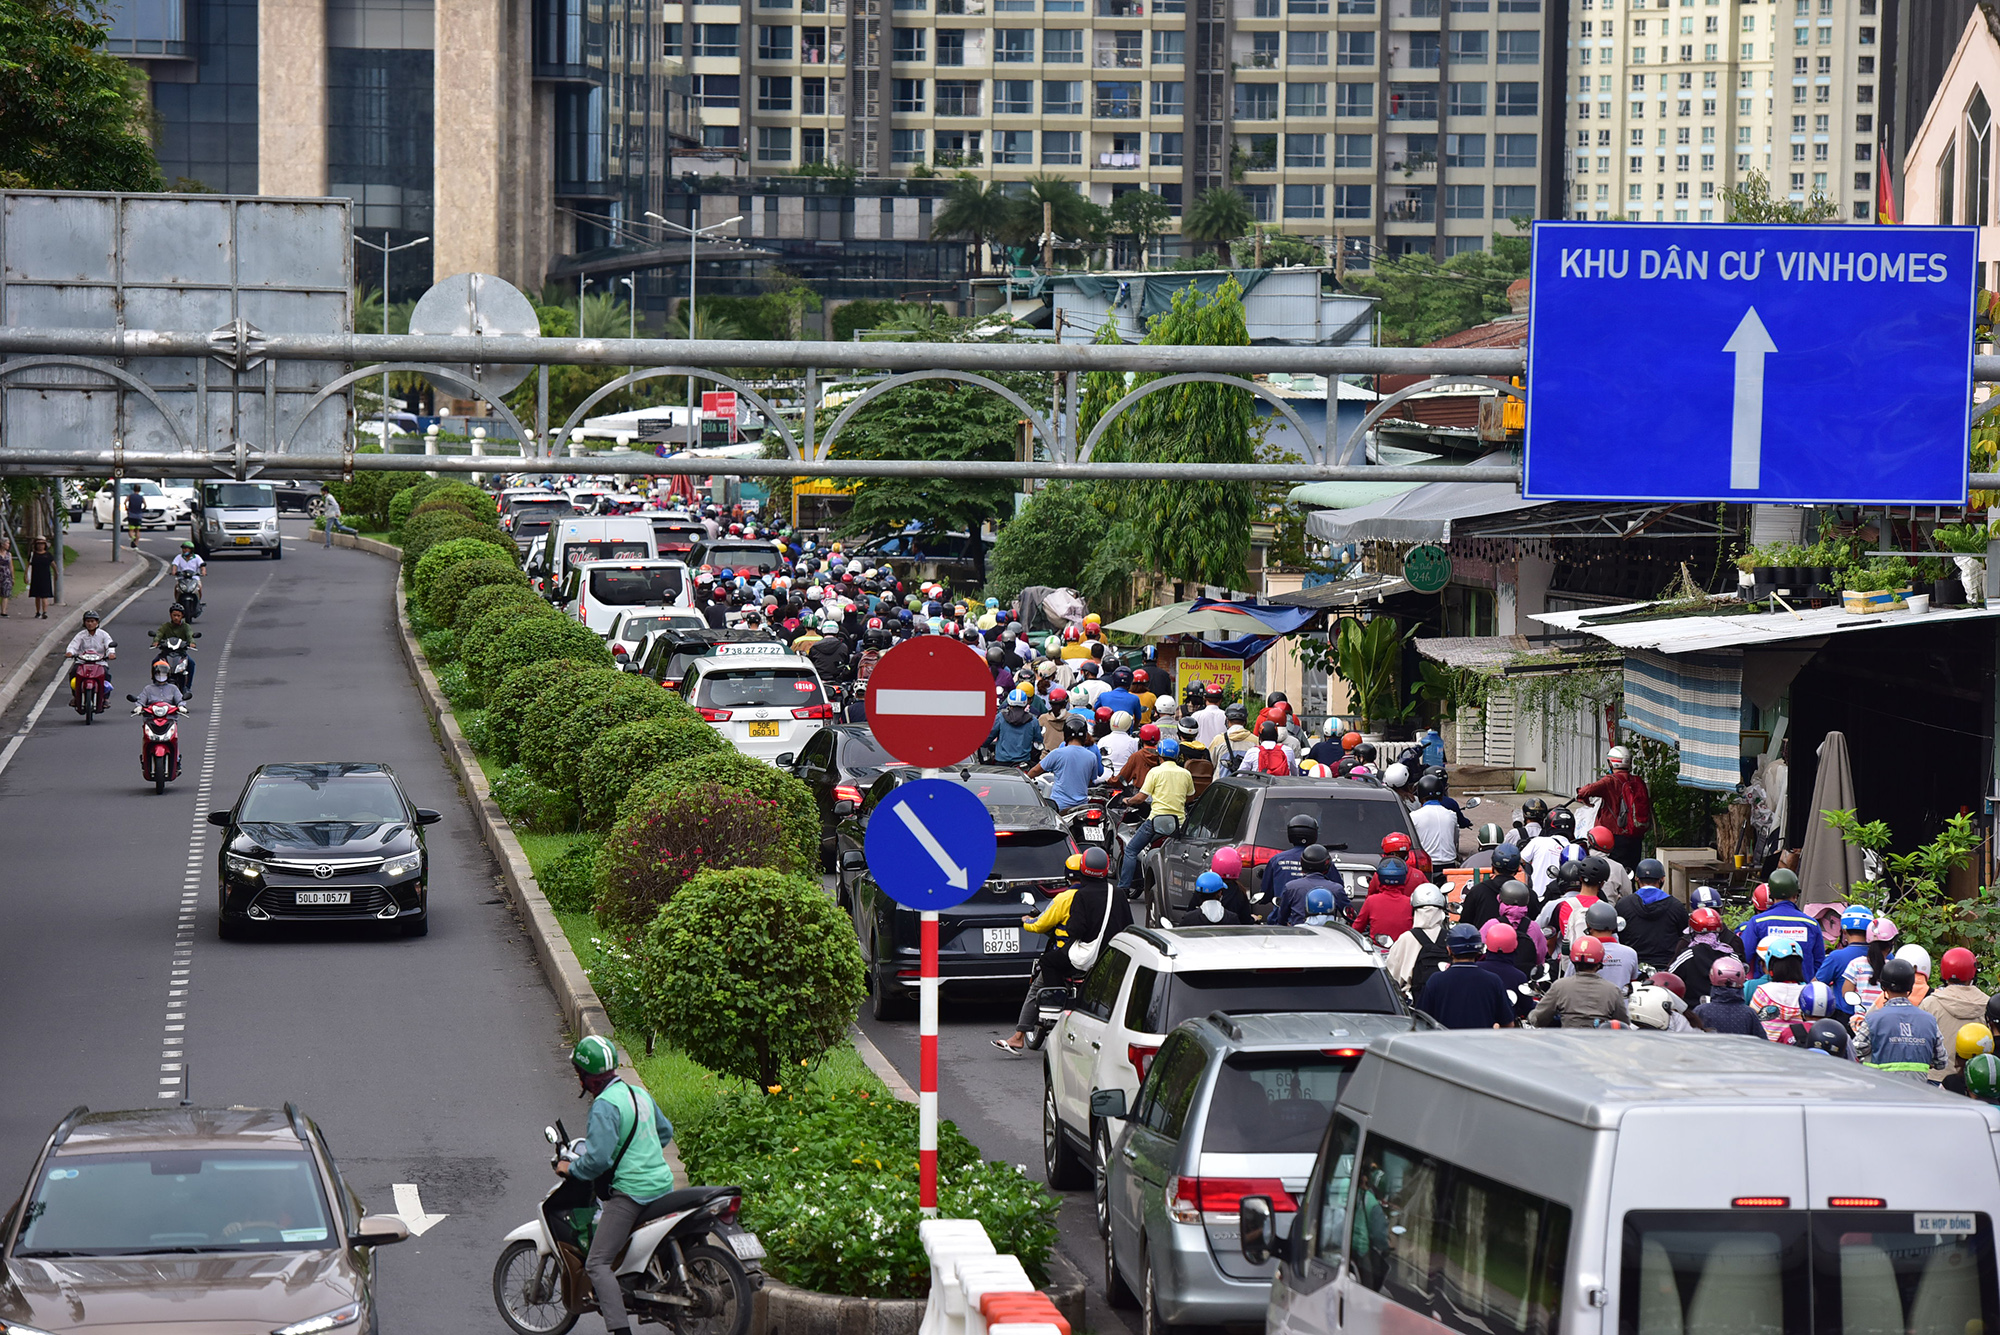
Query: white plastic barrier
column 979, row 1276
column 946, row 1242
column 1023, row 1328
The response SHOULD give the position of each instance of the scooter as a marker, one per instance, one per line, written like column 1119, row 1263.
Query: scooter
column 187, row 592
column 174, row 652
column 159, row 742
column 689, row 1265
column 90, row 675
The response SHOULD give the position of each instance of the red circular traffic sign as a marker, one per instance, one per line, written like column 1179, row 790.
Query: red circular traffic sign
column 930, row 701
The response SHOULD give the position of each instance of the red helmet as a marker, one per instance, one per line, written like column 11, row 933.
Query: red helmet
column 1761, row 897
column 1500, row 937
column 874, row 623
column 1071, row 634
column 1149, row 733
column 1705, row 920
column 1141, row 677
column 1727, row 972
column 1958, row 965
column 1601, row 837
column 1587, row 950
column 1349, row 740
column 1104, row 713
column 1395, row 844
column 1058, row 696
column 1671, row 981
column 735, row 529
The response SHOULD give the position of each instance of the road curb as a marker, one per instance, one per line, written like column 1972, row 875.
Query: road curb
column 369, row 545
column 68, row 625
column 884, row 1069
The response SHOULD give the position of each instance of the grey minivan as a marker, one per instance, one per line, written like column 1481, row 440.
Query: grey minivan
column 1233, row 1106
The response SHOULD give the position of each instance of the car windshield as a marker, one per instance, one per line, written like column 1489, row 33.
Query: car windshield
column 576, row 553
column 359, row 799
column 1273, row 1103
column 143, row 488
column 171, row 1201
column 1357, row 823
column 239, row 495
column 636, row 586
column 747, row 688
column 634, row 629
column 1031, row 855
column 1362, row 989
column 738, row 556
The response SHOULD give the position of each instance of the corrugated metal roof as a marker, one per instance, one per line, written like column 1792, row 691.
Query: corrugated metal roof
column 1692, row 634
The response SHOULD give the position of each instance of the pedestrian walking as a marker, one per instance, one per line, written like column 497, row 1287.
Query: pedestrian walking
column 42, row 577
column 330, row 511
column 6, row 572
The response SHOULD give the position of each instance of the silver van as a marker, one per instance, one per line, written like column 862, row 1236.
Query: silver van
column 1591, row 1182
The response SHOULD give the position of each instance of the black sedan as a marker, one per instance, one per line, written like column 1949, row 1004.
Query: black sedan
column 838, row 763
column 981, row 943
column 322, row 842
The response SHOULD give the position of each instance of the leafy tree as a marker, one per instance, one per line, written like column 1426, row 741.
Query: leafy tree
column 1217, row 217
column 974, row 211
column 1424, row 299
column 1141, row 215
column 569, row 386
column 859, row 315
column 71, row 117
column 1751, row 202
column 1073, row 217
column 778, row 314
column 1280, row 247
column 1048, row 542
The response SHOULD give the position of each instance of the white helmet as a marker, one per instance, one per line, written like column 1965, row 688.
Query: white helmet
column 1653, row 1007
column 1333, row 727
column 1397, row 775
column 1919, row 958
column 1164, row 707
column 1620, row 758
column 1121, row 721
column 1427, row 896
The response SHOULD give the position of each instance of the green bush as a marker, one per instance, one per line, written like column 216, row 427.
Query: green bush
column 442, row 556
column 451, row 681
column 830, row 1186
column 756, row 973
column 426, row 533
column 618, row 977
column 534, row 641
column 477, row 731
column 508, row 703
column 542, row 728
column 440, row 646
column 474, row 644
column 620, row 757
column 631, row 700
column 365, row 501
column 461, row 579
column 657, row 849
column 796, row 810
column 405, row 501
column 569, row 879
column 531, row 804
column 494, row 596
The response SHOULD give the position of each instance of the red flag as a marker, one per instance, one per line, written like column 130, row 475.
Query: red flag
column 1885, row 193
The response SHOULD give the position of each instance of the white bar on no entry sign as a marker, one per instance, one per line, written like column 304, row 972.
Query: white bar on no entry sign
column 970, row 704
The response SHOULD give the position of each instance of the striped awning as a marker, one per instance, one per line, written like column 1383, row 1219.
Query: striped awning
column 1693, row 702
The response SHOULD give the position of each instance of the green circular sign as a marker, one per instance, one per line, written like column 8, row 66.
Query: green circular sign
column 1427, row 568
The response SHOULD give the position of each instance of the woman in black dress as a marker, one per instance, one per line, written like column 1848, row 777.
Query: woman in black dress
column 42, row 577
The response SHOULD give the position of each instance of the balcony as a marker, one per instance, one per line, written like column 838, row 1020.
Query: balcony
column 1121, row 55
column 1119, row 161
column 1116, row 108
column 1121, row 9
column 832, row 53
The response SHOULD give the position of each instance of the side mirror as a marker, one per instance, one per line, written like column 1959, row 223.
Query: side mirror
column 844, row 807
column 378, row 1230
column 1258, row 1229
column 787, row 760
column 218, row 818
column 549, row 1134
column 195, row 636
column 853, row 860
column 1108, row 1104
column 425, row 816
column 133, row 698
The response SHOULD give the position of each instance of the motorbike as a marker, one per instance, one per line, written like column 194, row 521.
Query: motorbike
column 159, row 742
column 90, row 675
column 174, row 652
column 187, row 592
column 690, row 1266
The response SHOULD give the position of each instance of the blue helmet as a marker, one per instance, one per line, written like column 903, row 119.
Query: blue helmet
column 1170, row 747
column 1780, row 947
column 1705, row 897
column 1392, row 872
column 1816, row 1000
column 1017, row 697
column 1856, row 918
column 1208, row 883
column 726, row 573
column 1319, row 902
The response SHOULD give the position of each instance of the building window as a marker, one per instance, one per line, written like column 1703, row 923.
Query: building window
column 1425, row 50
column 1264, row 9
column 1302, row 7
column 1978, row 160
column 1168, row 97
column 1515, row 150
column 774, row 43
column 1418, row 204
column 1354, row 150
column 812, row 98
column 1061, row 97
column 1465, row 150
column 1117, row 101
column 774, row 94
column 1864, row 124
column 1263, row 50
column 1306, row 99
column 720, row 136
column 1301, row 48
column 1014, row 46
column 1062, row 46
column 1013, row 97
column 1170, row 48
column 1465, row 99
column 1305, row 150
column 1468, row 48
column 1354, row 99
column 958, row 97
column 719, row 40
column 670, row 40
column 1014, row 147
column 1465, row 201
column 907, row 45
column 1062, row 148
column 906, row 95
column 1260, row 198
column 774, row 144
column 1257, row 152
column 906, row 146
column 951, row 46
column 1521, row 47
column 1305, row 201
column 1353, row 201
column 1516, row 99
column 1256, row 101
column 719, row 90
column 1513, row 201
column 1164, row 150
column 812, row 145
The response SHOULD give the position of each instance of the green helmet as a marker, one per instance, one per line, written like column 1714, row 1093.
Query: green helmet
column 1982, row 1077
column 1490, row 836
column 1784, row 883
column 595, row 1055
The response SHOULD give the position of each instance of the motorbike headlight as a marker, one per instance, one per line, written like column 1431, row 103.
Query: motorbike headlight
column 407, row 865
column 334, row 1320
column 242, row 866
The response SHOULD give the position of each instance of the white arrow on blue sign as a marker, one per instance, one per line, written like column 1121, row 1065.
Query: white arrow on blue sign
column 1778, row 364
column 930, row 844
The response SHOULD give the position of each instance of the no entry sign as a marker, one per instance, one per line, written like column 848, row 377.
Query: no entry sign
column 930, row 701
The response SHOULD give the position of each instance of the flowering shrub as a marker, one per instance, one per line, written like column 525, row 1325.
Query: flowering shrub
column 830, row 1185
column 478, row 732
column 620, row 982
column 532, row 805
column 451, row 680
column 796, row 810
column 440, row 646
column 656, row 849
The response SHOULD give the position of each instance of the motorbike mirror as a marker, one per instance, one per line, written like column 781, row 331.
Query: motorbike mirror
column 195, row 636
column 425, row 816
column 133, row 698
column 549, row 1134
column 218, row 818
column 378, row 1230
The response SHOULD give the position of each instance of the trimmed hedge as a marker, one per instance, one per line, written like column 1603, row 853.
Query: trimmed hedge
column 688, row 829
column 509, row 702
column 477, row 639
column 542, row 728
column 455, row 582
column 534, row 641
column 618, row 759
column 531, row 804
column 632, row 700
column 796, row 810
column 426, row 533
column 443, row 556
column 481, row 601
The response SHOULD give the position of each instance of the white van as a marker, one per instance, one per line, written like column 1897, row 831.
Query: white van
column 239, row 517
column 573, row 539
column 595, row 592
column 1608, row 1182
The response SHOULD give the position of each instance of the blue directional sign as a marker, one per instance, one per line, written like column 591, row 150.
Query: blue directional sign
column 930, row 844
column 1822, row 365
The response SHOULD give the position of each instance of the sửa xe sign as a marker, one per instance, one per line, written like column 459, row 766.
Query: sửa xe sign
column 1769, row 363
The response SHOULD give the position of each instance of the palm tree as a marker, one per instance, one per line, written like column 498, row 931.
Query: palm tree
column 1217, row 217
column 605, row 316
column 974, row 211
column 705, row 325
column 1072, row 217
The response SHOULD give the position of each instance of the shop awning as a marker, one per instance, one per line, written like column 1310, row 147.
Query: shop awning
column 1349, row 592
column 1721, row 630
column 1424, row 514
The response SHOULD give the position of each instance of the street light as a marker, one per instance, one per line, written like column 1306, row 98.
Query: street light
column 693, row 235
column 387, row 250
column 631, row 314
column 582, row 286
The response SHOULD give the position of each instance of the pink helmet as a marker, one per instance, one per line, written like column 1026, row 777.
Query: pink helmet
column 1882, row 930
column 1226, row 863
column 1500, row 938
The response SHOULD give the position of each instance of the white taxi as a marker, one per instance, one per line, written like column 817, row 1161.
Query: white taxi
column 764, row 699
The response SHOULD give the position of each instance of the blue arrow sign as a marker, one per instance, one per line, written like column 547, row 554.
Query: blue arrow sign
column 1778, row 364
column 930, row 844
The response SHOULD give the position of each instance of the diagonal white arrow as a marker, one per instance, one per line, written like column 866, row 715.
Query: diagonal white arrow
column 953, row 873
column 1750, row 343
column 410, row 1209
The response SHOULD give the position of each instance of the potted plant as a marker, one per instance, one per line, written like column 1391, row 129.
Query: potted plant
column 1967, row 545
column 1878, row 586
column 1367, row 655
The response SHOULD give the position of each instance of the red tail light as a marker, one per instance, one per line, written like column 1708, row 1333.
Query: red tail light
column 1341, row 1052
column 618, row 650
column 1141, row 1056
column 1189, row 1197
column 846, row 792
column 715, row 715
column 1256, row 855
column 1857, row 1203
column 1094, row 813
column 1762, row 1202
column 814, row 711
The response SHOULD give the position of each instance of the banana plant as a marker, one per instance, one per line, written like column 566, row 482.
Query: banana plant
column 1367, row 655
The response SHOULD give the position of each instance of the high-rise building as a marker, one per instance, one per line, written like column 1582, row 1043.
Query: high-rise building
column 1675, row 102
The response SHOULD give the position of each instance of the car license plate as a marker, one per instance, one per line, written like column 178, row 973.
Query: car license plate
column 243, row 542
column 763, row 730
column 324, row 897
column 746, row 1246
column 1093, row 834
column 1001, row 940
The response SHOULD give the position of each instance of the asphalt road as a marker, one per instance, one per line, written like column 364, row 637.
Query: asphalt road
column 434, row 1062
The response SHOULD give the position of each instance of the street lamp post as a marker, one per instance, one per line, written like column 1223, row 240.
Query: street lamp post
column 582, row 286
column 387, row 250
column 631, row 313
column 693, row 234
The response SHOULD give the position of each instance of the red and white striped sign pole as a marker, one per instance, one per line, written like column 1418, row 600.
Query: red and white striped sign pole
column 927, row 1067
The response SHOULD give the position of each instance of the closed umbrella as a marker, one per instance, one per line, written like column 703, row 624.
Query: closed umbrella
column 1829, row 864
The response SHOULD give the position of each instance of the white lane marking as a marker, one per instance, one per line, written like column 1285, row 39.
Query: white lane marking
column 410, row 1209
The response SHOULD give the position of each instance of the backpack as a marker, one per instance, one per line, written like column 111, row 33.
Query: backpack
column 1431, row 956
column 866, row 667
column 1272, row 760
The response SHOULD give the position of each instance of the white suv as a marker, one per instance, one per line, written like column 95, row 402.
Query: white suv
column 1148, row 980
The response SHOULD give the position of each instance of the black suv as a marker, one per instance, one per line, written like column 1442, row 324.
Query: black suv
column 981, row 942
column 839, row 763
column 1250, row 811
column 322, row 842
column 665, row 654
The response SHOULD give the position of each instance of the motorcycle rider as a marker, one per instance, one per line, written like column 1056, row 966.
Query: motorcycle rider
column 1489, row 837
column 626, row 1140
column 1654, row 919
column 1327, row 750
column 1437, row 825
column 92, row 640
column 829, row 653
column 189, row 562
column 1085, row 912
column 1621, row 963
column 177, row 628
column 1502, row 945
column 1168, row 788
column 1582, row 999
column 1420, row 952
column 1118, row 744
column 1462, row 995
column 1896, row 1036
column 1542, row 854
column 1288, row 906
column 1016, row 736
column 161, row 687
column 1530, row 823
column 1075, row 764
column 1855, row 920
column 1725, row 1011
column 1623, row 806
column 1531, row 945
column 1701, row 948
column 1958, row 1003
column 1302, row 829
column 1216, row 903
column 1482, row 898
column 1783, row 918
column 1387, row 911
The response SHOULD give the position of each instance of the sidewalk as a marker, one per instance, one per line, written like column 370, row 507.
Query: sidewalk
column 92, row 580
